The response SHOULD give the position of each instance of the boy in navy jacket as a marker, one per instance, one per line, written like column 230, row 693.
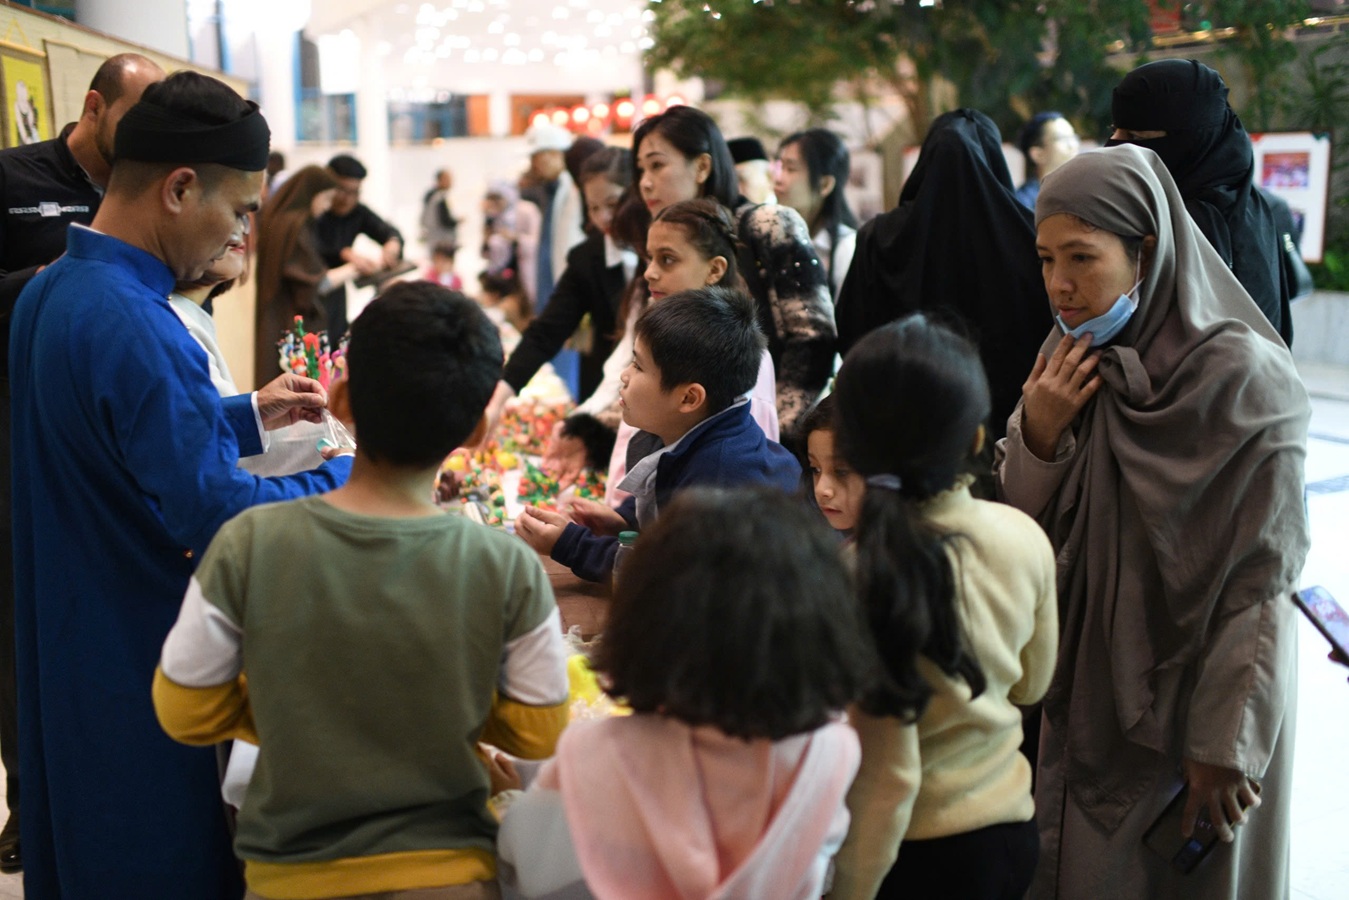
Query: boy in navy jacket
column 695, row 355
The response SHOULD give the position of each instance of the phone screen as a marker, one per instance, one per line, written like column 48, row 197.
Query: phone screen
column 1165, row 839
column 1328, row 615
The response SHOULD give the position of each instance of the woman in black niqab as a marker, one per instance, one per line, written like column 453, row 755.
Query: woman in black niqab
column 1209, row 155
column 959, row 242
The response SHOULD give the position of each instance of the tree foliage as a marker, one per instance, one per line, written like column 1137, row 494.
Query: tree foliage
column 1006, row 57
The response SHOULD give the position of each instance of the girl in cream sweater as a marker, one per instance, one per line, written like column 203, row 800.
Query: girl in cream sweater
column 960, row 597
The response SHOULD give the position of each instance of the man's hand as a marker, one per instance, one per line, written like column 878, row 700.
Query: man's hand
column 1227, row 794
column 600, row 518
column 364, row 265
column 540, row 528
column 393, row 252
column 291, row 398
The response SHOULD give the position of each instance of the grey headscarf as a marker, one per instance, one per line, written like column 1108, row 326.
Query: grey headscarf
column 1183, row 501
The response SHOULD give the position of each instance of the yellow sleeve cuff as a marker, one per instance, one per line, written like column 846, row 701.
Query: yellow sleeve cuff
column 529, row 732
column 206, row 715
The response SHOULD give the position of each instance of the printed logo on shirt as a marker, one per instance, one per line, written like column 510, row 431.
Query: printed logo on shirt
column 47, row 210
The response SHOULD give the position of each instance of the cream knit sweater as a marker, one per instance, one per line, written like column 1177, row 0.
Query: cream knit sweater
column 959, row 768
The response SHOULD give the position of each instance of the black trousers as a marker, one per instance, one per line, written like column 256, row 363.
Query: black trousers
column 993, row 863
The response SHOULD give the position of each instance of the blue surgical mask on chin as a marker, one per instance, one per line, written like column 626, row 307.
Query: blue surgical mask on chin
column 1107, row 326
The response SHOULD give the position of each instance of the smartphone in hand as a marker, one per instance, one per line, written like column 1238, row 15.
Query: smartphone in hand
column 1328, row 616
column 1164, row 836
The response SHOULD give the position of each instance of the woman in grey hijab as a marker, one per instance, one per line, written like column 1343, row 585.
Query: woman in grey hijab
column 1160, row 442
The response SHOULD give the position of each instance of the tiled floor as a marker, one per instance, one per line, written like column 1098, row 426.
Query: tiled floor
column 1321, row 776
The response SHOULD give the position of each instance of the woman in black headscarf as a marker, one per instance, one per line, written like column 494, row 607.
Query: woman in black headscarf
column 1178, row 109
column 958, row 241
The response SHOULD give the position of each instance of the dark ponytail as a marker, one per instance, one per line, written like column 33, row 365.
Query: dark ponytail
column 910, row 399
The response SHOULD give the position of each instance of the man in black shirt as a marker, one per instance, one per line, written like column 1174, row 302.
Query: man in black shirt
column 44, row 187
column 335, row 230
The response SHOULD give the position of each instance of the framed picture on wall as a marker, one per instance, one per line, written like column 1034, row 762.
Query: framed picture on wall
column 1295, row 166
column 26, row 116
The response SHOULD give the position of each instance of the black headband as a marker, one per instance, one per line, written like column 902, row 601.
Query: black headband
column 150, row 133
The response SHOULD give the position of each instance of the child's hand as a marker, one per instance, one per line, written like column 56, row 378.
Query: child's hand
column 540, row 528
column 501, row 774
column 598, row 517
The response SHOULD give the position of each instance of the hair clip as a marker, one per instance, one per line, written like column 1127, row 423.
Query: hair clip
column 886, row 482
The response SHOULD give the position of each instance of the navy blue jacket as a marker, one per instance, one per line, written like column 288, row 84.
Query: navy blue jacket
column 726, row 449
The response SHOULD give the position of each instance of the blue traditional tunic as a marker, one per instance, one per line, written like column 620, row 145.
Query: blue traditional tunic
column 124, row 467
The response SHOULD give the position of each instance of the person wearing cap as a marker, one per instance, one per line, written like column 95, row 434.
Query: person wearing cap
column 1047, row 141
column 1178, row 109
column 752, row 169
column 44, row 187
column 125, row 465
column 550, row 187
column 336, row 230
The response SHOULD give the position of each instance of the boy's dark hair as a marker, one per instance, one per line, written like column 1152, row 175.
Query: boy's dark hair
column 424, row 361
column 445, row 248
column 344, row 165
column 507, row 284
column 735, row 610
column 708, row 336
column 597, row 437
column 910, row 398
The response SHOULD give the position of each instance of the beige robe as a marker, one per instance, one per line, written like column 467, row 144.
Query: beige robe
column 1241, row 712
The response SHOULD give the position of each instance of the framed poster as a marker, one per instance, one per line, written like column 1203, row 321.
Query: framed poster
column 27, row 114
column 1295, row 166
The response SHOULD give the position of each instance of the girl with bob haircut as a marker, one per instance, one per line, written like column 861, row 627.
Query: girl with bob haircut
column 680, row 154
column 959, row 594
column 1161, row 442
column 737, row 647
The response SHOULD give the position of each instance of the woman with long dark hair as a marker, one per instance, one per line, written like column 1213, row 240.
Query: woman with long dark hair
column 292, row 276
column 813, row 170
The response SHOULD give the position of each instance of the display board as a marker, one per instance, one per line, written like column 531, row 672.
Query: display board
column 1295, row 166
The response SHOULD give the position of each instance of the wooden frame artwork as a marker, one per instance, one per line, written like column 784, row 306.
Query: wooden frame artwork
column 26, row 113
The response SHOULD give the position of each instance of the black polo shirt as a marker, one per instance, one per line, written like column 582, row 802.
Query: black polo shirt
column 333, row 234
column 42, row 191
